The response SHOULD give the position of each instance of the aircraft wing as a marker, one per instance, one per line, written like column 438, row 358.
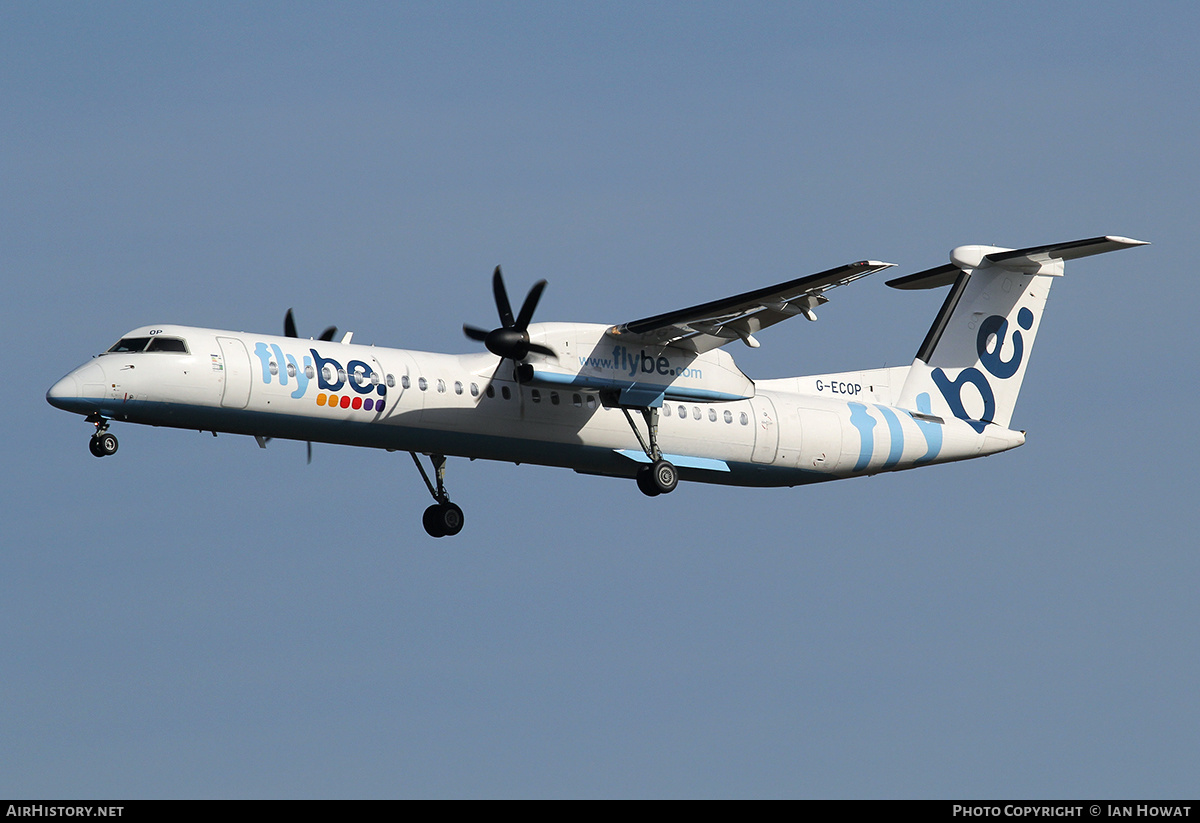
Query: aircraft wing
column 712, row 325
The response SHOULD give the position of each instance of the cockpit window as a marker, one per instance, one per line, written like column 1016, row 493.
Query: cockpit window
column 174, row 344
column 128, row 344
column 156, row 343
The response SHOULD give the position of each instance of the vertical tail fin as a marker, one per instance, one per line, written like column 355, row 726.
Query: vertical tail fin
column 983, row 334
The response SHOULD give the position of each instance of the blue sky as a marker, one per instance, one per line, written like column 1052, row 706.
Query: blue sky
column 197, row 617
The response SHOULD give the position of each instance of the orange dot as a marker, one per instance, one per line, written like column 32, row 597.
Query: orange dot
column 320, row 399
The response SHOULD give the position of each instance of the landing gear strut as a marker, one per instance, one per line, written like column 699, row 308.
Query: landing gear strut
column 443, row 518
column 661, row 476
column 103, row 443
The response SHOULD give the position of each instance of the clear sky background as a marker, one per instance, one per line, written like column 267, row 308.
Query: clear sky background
column 197, row 617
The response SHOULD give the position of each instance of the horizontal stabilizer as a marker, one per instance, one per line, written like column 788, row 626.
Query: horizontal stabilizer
column 1064, row 251
column 1033, row 260
column 928, row 279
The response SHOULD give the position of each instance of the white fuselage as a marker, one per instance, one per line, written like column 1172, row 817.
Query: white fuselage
column 715, row 424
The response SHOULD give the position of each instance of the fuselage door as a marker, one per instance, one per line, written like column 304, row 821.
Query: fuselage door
column 235, row 392
column 766, row 430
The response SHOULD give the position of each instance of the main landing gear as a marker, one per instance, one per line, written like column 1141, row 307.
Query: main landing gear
column 661, row 476
column 443, row 518
column 103, row 442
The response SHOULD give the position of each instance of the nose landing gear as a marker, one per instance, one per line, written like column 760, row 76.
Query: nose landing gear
column 103, row 442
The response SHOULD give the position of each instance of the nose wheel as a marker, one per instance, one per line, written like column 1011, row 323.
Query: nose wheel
column 103, row 442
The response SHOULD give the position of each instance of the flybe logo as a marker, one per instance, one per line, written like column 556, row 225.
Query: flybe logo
column 623, row 360
column 346, row 387
column 994, row 328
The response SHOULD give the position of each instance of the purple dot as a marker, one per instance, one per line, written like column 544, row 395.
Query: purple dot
column 368, row 404
column 378, row 405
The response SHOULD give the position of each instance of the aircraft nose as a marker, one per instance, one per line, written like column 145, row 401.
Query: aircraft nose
column 73, row 392
column 63, row 392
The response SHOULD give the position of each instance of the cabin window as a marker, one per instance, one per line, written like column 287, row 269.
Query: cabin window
column 554, row 398
column 728, row 416
column 167, row 344
column 712, row 415
column 291, row 369
column 666, row 410
column 474, row 390
column 422, row 383
column 536, row 396
column 458, row 387
column 273, row 367
column 490, row 391
column 591, row 401
column 683, row 412
column 441, row 386
column 391, row 381
column 342, row 375
column 505, row 393
column 327, row 373
column 696, row 412
column 404, row 381
column 374, row 379
column 577, row 401
column 310, row 372
column 745, row 420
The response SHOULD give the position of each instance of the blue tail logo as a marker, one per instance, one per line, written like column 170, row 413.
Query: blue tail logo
column 990, row 359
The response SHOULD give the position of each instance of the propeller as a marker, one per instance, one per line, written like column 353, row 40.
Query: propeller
column 289, row 328
column 511, row 339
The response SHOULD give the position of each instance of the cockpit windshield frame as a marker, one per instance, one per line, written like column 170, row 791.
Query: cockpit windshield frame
column 160, row 344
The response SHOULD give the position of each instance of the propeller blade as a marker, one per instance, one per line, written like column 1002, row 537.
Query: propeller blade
column 289, row 325
column 309, row 453
column 328, row 333
column 540, row 349
column 475, row 333
column 502, row 304
column 531, row 301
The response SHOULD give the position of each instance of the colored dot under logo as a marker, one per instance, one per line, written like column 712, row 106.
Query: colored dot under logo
column 333, row 401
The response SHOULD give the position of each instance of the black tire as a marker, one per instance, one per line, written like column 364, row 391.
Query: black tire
column 645, row 482
column 443, row 520
column 104, row 444
column 94, row 446
column 665, row 476
column 432, row 521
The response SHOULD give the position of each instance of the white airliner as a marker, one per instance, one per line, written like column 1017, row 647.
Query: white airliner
column 657, row 399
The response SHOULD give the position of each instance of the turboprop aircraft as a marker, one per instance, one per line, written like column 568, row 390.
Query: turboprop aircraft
column 656, row 400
